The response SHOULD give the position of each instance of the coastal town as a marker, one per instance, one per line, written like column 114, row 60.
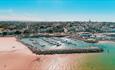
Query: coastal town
column 54, row 27
column 35, row 43
column 53, row 33
column 57, row 34
column 74, row 29
column 40, row 41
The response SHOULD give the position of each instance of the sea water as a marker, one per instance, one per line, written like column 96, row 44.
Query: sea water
column 103, row 61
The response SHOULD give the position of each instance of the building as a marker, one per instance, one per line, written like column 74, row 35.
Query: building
column 86, row 35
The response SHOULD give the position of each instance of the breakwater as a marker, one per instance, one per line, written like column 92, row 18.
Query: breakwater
column 63, row 51
column 70, row 51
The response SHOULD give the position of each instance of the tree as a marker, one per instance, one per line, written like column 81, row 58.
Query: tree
column 17, row 32
column 4, row 33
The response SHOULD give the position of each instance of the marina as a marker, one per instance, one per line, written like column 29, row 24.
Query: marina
column 57, row 45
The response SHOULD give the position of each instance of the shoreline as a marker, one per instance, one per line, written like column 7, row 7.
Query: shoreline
column 23, row 59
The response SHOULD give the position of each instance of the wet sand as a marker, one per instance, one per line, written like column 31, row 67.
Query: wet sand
column 61, row 62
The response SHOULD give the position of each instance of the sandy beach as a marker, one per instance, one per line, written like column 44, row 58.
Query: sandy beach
column 16, row 56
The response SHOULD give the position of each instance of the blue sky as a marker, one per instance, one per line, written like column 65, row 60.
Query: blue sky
column 57, row 10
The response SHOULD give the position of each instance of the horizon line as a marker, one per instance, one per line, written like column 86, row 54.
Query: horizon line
column 53, row 21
